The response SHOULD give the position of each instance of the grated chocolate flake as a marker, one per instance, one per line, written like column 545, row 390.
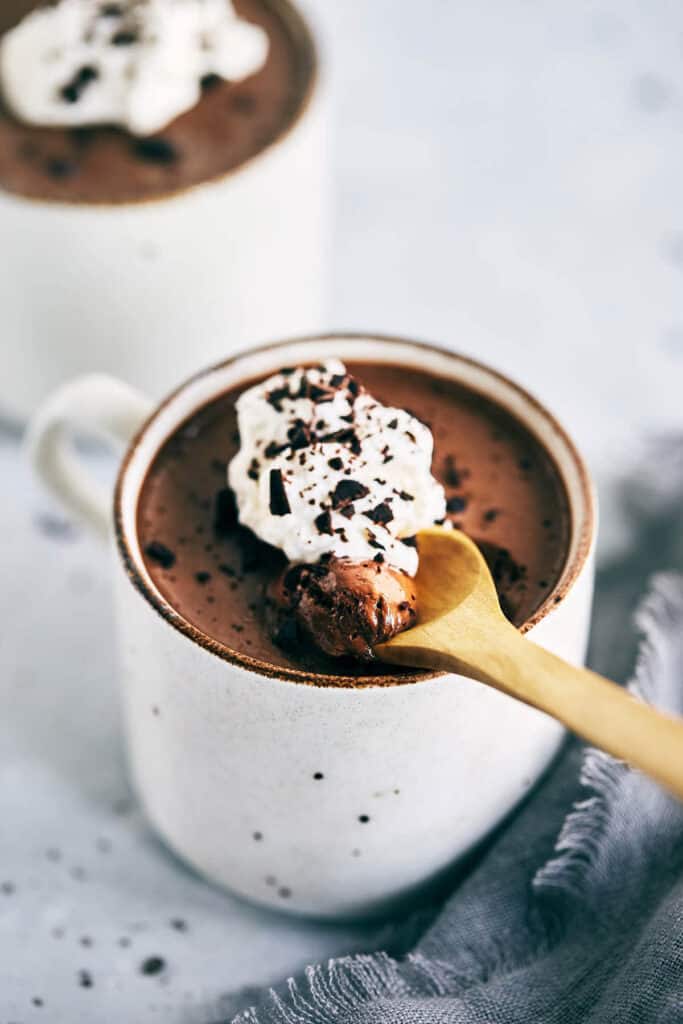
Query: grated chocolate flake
column 336, row 463
column 124, row 37
column 279, row 503
column 159, row 553
column 347, row 436
column 276, row 398
column 323, row 522
column 60, row 168
column 453, row 476
column 225, row 511
column 300, row 435
column 210, row 81
column 72, row 91
column 273, row 449
column 456, row 504
column 380, row 514
column 155, row 150
column 346, row 491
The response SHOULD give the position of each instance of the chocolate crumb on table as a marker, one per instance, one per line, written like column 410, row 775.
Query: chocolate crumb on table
column 152, row 965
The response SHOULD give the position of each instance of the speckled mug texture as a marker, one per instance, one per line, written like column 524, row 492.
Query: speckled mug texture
column 319, row 799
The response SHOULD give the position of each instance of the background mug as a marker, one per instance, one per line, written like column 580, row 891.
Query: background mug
column 226, row 755
column 147, row 290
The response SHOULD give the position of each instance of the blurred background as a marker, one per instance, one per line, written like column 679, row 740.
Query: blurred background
column 508, row 181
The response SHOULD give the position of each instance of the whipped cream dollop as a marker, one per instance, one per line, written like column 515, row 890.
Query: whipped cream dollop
column 138, row 64
column 325, row 469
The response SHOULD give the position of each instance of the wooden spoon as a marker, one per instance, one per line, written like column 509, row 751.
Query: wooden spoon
column 461, row 628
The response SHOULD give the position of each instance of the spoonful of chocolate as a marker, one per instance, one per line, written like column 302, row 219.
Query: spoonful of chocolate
column 461, row 628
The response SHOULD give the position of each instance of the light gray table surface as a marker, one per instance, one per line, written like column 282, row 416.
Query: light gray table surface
column 507, row 181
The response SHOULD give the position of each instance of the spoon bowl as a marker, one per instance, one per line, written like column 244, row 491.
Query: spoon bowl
column 461, row 627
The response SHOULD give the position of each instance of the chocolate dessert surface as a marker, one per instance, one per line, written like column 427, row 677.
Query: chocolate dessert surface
column 231, row 123
column 500, row 485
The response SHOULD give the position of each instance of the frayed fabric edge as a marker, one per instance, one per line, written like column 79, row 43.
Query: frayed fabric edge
column 563, row 880
column 327, row 991
column 343, row 985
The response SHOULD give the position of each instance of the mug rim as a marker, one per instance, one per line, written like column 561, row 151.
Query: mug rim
column 299, row 27
column 569, row 575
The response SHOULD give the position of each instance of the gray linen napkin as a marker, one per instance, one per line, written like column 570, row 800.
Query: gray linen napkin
column 574, row 913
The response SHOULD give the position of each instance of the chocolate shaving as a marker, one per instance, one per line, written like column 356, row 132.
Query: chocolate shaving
column 323, row 522
column 59, row 168
column 380, row 514
column 345, row 436
column 300, row 435
column 346, row 491
column 319, row 394
column 125, row 37
column 225, row 511
column 274, row 449
column 410, row 542
column 335, row 463
column 276, row 397
column 159, row 553
column 254, row 470
column 279, row 503
column 155, row 151
column 210, row 81
column 452, row 475
column 71, row 92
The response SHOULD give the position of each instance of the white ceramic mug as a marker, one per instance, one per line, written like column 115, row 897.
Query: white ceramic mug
column 150, row 290
column 299, row 791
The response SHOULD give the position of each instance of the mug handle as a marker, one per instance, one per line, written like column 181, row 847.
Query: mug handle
column 98, row 406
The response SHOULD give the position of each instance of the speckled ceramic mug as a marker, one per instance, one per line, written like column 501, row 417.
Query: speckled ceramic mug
column 299, row 791
column 120, row 288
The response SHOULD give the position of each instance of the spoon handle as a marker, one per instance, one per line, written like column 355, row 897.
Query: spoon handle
column 596, row 709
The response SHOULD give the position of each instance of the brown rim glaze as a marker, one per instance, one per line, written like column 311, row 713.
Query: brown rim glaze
column 569, row 575
column 299, row 30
